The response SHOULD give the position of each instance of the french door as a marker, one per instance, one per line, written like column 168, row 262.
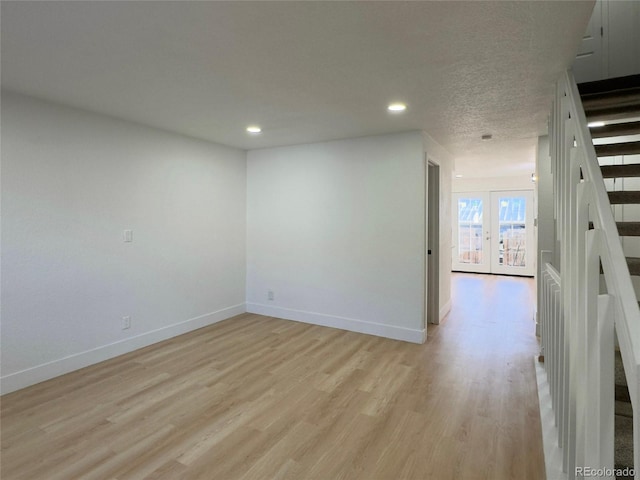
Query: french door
column 493, row 232
column 472, row 230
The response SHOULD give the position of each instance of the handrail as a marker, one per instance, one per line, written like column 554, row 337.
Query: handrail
column 577, row 321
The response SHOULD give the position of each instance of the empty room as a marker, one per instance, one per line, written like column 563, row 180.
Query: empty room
column 229, row 237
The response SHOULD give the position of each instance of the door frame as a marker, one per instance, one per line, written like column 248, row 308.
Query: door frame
column 431, row 265
column 432, row 235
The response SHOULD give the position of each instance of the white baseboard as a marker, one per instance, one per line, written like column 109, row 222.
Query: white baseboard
column 350, row 324
column 31, row 376
column 552, row 453
column 446, row 308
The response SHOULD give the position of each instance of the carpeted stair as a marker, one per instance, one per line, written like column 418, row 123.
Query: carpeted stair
column 616, row 102
column 624, row 420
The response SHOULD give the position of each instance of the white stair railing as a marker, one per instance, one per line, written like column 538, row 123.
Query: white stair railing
column 577, row 320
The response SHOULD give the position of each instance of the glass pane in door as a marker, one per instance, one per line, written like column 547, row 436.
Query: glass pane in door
column 512, row 234
column 470, row 231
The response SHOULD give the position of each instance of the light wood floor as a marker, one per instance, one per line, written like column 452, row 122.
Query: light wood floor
column 260, row 398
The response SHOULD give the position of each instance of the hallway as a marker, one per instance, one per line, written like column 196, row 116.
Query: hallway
column 262, row 398
column 484, row 352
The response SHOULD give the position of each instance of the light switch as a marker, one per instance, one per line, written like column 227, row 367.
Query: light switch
column 127, row 236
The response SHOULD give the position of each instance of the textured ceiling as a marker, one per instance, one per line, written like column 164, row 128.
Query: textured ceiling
column 305, row 71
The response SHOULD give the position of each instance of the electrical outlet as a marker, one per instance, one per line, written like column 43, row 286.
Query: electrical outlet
column 126, row 322
column 127, row 236
column 270, row 295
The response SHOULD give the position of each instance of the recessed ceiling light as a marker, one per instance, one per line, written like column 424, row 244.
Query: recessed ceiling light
column 458, row 175
column 595, row 124
column 397, row 107
column 487, row 136
column 254, row 129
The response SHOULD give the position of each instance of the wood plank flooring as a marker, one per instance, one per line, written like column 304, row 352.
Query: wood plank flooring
column 260, row 398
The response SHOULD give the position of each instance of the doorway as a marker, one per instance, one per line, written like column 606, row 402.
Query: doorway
column 493, row 232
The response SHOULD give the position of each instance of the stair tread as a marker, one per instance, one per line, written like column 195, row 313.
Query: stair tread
column 617, row 98
column 623, row 441
column 620, row 171
column 628, row 229
column 625, row 229
column 613, row 113
column 624, row 197
column 622, row 393
column 634, row 265
column 624, row 148
column 615, row 130
column 609, row 85
column 624, row 409
column 621, row 379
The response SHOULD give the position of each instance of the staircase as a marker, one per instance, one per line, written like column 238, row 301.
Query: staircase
column 616, row 102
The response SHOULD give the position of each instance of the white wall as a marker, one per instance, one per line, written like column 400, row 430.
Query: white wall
column 623, row 37
column 72, row 181
column 546, row 231
column 488, row 184
column 336, row 231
